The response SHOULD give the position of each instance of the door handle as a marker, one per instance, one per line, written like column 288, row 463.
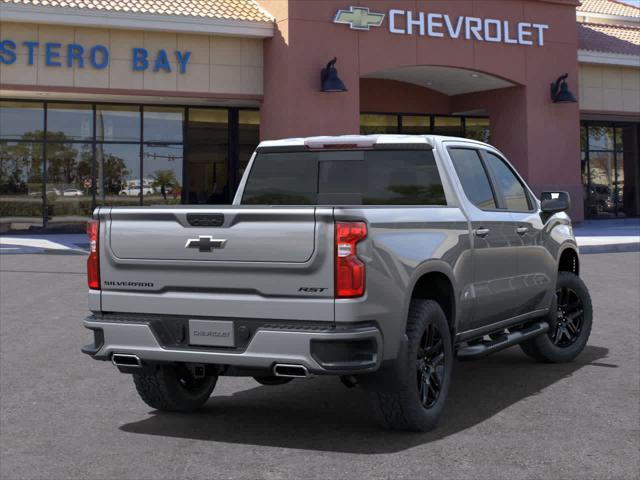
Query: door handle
column 481, row 232
column 522, row 230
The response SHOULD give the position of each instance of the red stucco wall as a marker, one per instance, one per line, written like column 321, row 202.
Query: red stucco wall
column 540, row 137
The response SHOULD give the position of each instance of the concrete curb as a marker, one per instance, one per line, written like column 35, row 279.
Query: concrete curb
column 619, row 248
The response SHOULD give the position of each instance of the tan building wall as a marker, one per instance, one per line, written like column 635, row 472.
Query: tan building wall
column 218, row 65
column 609, row 88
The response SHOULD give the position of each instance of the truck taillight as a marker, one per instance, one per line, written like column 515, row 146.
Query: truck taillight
column 349, row 268
column 93, row 262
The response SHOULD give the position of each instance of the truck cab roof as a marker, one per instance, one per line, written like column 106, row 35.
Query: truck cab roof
column 358, row 141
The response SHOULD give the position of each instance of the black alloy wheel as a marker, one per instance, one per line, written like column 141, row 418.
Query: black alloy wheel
column 569, row 320
column 430, row 366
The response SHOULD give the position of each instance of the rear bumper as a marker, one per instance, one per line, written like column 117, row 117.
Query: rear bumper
column 322, row 351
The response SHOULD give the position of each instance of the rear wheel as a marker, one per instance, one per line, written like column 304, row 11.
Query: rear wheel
column 173, row 388
column 418, row 399
column 569, row 323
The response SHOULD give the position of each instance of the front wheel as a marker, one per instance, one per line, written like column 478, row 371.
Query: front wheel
column 569, row 323
column 173, row 388
column 418, row 399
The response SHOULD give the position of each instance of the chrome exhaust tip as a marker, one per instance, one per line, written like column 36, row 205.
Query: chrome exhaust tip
column 126, row 360
column 290, row 371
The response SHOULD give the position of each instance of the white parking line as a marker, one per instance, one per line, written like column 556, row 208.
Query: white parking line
column 32, row 242
column 595, row 241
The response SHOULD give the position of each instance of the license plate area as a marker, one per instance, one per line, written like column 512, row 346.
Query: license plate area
column 211, row 333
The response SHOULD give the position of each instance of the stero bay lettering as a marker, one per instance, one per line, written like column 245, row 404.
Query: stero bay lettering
column 97, row 56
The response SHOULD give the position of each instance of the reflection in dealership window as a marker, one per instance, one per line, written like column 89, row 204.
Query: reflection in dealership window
column 118, row 123
column 118, row 174
column 248, row 138
column 611, row 169
column 69, row 196
column 71, row 121
column 450, row 126
column 207, row 151
column 163, row 124
column 371, row 123
column 21, row 185
column 478, row 129
column 20, row 118
column 162, row 167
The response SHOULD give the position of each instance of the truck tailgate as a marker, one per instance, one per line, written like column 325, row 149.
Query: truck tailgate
column 240, row 262
column 251, row 235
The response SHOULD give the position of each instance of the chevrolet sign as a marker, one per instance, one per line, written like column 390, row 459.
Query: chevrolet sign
column 441, row 25
column 359, row 18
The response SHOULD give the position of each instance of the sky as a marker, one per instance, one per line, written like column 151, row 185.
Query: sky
column 635, row 3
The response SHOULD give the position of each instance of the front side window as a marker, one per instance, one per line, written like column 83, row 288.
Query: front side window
column 345, row 178
column 473, row 177
column 511, row 189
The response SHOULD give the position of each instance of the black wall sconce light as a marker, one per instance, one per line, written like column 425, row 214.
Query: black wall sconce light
column 329, row 80
column 560, row 92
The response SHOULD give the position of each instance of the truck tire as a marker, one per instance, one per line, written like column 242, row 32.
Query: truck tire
column 172, row 388
column 570, row 323
column 417, row 400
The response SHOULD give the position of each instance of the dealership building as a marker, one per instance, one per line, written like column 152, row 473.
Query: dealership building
column 108, row 102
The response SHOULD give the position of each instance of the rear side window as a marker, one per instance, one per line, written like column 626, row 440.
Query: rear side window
column 473, row 177
column 371, row 177
column 510, row 188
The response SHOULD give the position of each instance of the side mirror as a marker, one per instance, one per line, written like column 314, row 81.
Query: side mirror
column 555, row 202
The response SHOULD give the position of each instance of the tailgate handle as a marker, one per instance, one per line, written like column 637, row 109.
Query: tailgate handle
column 205, row 219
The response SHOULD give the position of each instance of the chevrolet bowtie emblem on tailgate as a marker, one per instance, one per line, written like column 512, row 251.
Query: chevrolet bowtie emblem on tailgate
column 205, row 243
column 359, row 18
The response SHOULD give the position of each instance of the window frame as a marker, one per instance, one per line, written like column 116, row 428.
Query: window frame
column 486, row 172
column 502, row 204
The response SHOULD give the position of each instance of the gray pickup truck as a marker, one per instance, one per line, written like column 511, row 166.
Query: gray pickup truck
column 376, row 259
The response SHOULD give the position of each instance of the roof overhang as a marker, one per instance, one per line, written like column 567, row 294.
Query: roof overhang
column 607, row 58
column 12, row 12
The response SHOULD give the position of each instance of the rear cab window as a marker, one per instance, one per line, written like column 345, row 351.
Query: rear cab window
column 344, row 177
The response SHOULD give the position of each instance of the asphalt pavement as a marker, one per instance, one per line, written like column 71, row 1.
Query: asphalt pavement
column 65, row 416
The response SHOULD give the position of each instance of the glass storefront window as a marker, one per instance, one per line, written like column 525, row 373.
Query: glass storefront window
column 118, row 174
column 118, row 123
column 21, row 120
column 207, row 156
column 602, row 201
column 67, row 122
column 451, row 126
column 375, row 123
column 69, row 170
column 477, row 129
column 601, row 138
column 248, row 138
column 162, row 174
column 611, row 170
column 416, row 124
column 21, row 185
column 109, row 154
column 163, row 124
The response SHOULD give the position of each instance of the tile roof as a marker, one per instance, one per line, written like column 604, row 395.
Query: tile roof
column 609, row 7
column 609, row 38
column 220, row 9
